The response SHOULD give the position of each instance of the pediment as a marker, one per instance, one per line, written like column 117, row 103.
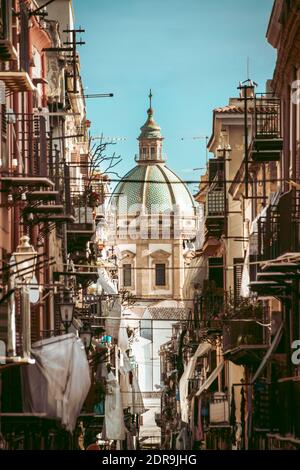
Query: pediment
column 160, row 254
column 127, row 254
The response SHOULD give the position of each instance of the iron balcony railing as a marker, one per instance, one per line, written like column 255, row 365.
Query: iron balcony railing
column 288, row 414
column 278, row 230
column 267, row 140
column 242, row 332
column 83, row 213
column 209, row 306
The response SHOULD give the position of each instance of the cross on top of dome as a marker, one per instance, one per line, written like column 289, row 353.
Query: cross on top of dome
column 150, row 139
column 150, row 99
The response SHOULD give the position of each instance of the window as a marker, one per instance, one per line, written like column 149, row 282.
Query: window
column 144, row 153
column 160, row 274
column 127, row 281
column 152, row 153
column 216, row 271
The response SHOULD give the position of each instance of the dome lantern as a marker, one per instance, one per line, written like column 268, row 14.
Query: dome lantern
column 150, row 139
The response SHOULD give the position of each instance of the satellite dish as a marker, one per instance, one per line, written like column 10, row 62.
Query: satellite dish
column 34, row 292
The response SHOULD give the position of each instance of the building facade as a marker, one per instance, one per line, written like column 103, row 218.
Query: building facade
column 58, row 275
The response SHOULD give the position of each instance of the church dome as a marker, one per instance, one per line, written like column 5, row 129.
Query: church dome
column 151, row 187
column 156, row 188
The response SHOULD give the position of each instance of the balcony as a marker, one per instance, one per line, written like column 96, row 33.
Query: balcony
column 26, row 182
column 17, row 81
column 83, row 228
column 277, row 244
column 243, row 341
column 288, row 412
column 265, row 401
column 267, row 141
column 208, row 308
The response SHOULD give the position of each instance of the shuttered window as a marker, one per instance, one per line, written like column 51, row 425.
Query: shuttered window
column 5, row 19
column 237, row 278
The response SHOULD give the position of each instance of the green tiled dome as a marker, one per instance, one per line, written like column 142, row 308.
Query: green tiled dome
column 154, row 186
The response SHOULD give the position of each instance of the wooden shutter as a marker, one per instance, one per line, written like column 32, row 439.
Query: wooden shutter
column 35, row 323
column 238, row 264
column 57, row 318
column 67, row 189
column 5, row 20
column 40, row 146
column 24, row 38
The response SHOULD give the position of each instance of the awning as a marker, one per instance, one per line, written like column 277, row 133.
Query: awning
column 196, row 274
column 202, row 349
column 188, row 373
column 269, row 353
column 210, row 379
column 245, row 291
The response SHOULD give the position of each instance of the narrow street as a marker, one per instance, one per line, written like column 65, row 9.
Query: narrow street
column 149, row 227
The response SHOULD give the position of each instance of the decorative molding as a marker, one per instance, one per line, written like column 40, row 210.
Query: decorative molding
column 160, row 254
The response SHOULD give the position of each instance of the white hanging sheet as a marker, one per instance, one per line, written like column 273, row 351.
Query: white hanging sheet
column 59, row 381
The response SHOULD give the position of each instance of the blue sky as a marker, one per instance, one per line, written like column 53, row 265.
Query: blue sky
column 192, row 53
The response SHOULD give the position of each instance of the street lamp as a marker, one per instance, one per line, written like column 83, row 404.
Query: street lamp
column 25, row 258
column 85, row 334
column 66, row 310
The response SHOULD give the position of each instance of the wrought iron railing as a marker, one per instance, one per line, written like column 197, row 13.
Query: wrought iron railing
column 267, row 116
column 242, row 332
column 278, row 230
column 288, row 410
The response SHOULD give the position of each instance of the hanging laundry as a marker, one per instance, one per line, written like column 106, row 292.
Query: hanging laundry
column 114, row 418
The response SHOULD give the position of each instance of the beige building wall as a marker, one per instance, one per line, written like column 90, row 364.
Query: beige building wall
column 229, row 130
